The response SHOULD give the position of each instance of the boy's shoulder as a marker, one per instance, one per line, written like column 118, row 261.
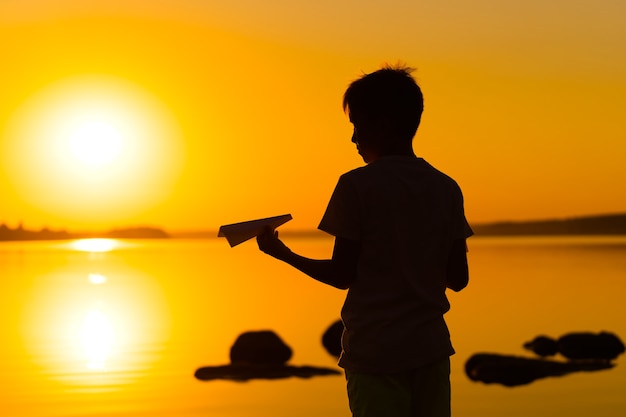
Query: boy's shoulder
column 396, row 164
column 394, row 167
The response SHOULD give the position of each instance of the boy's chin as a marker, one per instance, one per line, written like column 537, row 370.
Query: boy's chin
column 367, row 157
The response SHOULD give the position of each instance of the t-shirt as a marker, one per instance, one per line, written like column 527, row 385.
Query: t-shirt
column 405, row 214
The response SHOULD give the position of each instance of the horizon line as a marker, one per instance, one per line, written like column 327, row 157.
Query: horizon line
column 20, row 225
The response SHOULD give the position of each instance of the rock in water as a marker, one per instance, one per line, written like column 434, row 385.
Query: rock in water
column 542, row 346
column 331, row 339
column 590, row 346
column 512, row 371
column 244, row 373
column 603, row 346
column 259, row 347
column 259, row 355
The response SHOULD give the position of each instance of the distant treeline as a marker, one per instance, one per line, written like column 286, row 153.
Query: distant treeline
column 610, row 224
column 20, row 233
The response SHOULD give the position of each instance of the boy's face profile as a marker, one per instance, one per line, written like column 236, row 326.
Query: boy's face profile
column 364, row 144
column 385, row 108
column 376, row 137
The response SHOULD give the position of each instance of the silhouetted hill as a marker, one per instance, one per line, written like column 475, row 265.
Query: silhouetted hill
column 137, row 233
column 609, row 224
column 19, row 233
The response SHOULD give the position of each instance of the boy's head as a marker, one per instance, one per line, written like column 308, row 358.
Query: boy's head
column 385, row 107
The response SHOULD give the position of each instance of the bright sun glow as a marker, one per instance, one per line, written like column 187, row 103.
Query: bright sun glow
column 91, row 149
column 96, row 142
column 97, row 338
column 95, row 245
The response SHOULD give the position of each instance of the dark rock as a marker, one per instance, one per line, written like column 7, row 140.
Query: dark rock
column 590, row 346
column 579, row 346
column 243, row 373
column 542, row 346
column 259, row 355
column 331, row 339
column 512, row 371
column 260, row 347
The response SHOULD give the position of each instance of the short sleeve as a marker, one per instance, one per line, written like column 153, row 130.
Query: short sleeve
column 467, row 232
column 343, row 213
column 462, row 230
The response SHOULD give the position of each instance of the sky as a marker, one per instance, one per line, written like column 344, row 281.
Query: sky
column 189, row 114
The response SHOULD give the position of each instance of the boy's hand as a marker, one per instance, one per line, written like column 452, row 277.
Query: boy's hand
column 270, row 244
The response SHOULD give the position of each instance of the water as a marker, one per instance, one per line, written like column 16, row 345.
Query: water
column 121, row 331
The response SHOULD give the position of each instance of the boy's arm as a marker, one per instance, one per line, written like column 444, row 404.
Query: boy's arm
column 458, row 273
column 338, row 272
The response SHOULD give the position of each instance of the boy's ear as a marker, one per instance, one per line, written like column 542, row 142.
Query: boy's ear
column 383, row 124
column 382, row 128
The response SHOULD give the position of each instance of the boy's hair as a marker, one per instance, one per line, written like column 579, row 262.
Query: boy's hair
column 389, row 94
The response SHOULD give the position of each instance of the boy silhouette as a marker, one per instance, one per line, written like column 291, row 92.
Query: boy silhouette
column 400, row 230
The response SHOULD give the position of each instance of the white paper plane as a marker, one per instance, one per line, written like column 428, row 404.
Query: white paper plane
column 237, row 233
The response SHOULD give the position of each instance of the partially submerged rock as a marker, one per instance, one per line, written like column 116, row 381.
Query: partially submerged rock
column 260, row 355
column 603, row 346
column 542, row 346
column 512, row 371
column 331, row 339
column 260, row 347
column 243, row 373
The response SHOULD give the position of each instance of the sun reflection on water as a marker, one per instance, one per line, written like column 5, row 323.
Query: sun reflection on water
column 95, row 245
column 95, row 323
column 97, row 279
column 97, row 337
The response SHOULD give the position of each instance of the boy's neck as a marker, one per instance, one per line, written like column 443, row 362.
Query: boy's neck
column 401, row 151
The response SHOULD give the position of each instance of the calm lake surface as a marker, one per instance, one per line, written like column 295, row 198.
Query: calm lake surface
column 117, row 329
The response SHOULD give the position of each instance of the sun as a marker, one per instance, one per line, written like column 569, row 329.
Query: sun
column 93, row 149
column 96, row 142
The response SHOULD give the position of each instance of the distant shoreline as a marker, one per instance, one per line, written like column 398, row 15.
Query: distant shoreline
column 22, row 234
column 607, row 224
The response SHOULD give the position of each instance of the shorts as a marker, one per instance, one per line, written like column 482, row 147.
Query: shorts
column 421, row 392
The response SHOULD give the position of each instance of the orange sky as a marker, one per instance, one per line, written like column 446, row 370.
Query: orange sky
column 232, row 110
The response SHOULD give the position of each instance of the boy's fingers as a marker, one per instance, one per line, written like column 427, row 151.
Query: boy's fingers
column 268, row 232
column 266, row 235
column 263, row 232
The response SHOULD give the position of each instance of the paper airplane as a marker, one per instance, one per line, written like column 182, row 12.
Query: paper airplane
column 237, row 233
